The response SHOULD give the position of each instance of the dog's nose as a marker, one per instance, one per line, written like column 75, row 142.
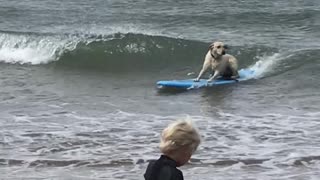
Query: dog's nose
column 223, row 52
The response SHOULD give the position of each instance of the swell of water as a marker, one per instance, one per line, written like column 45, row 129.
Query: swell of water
column 134, row 52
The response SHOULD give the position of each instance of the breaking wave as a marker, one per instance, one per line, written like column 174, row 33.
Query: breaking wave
column 129, row 52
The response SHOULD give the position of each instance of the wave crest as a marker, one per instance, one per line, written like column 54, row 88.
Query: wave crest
column 126, row 52
column 31, row 49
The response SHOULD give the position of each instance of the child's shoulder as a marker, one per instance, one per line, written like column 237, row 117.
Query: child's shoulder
column 164, row 168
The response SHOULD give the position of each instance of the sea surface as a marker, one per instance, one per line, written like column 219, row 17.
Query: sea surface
column 78, row 95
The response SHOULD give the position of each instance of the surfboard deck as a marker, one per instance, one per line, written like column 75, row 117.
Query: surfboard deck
column 244, row 74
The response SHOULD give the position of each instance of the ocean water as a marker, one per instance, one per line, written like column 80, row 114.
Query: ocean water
column 78, row 96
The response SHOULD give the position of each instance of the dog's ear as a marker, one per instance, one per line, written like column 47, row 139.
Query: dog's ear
column 211, row 46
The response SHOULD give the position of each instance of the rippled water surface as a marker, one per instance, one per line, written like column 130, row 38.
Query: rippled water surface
column 78, row 98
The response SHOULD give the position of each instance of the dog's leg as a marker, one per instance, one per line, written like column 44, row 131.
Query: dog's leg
column 211, row 74
column 215, row 75
column 235, row 74
column 206, row 65
column 234, row 68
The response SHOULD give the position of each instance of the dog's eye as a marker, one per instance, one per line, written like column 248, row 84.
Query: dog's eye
column 218, row 47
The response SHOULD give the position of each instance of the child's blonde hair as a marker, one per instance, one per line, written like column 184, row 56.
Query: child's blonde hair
column 179, row 134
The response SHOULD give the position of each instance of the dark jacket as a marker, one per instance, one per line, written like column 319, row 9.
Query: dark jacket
column 164, row 168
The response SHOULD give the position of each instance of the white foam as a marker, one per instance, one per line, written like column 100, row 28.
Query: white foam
column 266, row 64
column 25, row 55
column 28, row 49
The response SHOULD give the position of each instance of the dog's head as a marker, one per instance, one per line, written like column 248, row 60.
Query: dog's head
column 218, row 49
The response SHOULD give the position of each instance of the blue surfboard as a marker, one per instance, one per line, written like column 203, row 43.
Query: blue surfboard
column 244, row 74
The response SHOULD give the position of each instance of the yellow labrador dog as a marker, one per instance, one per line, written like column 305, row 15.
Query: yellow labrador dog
column 219, row 62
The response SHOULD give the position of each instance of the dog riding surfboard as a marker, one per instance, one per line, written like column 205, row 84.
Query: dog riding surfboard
column 224, row 68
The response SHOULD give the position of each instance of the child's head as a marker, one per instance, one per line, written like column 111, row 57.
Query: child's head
column 179, row 140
